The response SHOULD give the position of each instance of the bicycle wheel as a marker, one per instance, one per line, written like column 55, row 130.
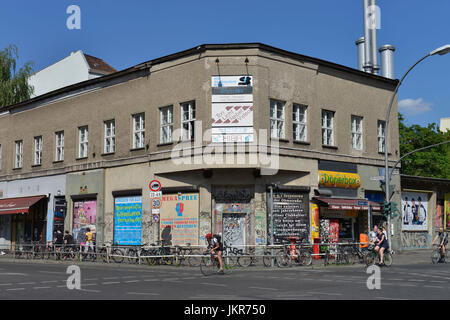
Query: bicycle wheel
column 227, row 268
column 132, row 256
column 435, row 256
column 208, row 266
column 244, row 260
column 283, row 260
column 117, row 255
column 230, row 259
column 387, row 259
column 305, row 258
column 371, row 258
column 194, row 261
column 267, row 259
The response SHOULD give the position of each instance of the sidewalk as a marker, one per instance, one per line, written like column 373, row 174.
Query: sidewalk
column 413, row 256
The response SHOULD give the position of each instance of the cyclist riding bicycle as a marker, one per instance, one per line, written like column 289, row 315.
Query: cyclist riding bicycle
column 443, row 240
column 216, row 248
column 381, row 245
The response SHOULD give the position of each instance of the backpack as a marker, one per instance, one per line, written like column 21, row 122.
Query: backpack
column 218, row 237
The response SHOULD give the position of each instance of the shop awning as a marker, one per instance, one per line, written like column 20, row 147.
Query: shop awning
column 18, row 205
column 348, row 204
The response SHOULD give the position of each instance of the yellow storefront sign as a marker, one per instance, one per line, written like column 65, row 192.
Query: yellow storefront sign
column 334, row 179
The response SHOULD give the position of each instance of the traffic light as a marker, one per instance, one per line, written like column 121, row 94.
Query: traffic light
column 390, row 208
column 386, row 208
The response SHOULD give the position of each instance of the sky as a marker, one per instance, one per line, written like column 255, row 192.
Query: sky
column 126, row 33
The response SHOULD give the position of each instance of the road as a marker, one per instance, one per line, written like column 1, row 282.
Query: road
column 37, row 280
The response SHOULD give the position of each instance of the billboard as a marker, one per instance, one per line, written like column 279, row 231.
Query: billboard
column 447, row 212
column 128, row 220
column 179, row 219
column 232, row 108
column 84, row 216
column 414, row 209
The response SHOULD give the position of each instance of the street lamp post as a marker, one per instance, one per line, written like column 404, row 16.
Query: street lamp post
column 440, row 51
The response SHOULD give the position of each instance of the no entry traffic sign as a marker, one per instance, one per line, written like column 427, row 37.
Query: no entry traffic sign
column 155, row 186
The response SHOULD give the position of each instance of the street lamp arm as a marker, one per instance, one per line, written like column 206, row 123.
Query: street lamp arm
column 414, row 151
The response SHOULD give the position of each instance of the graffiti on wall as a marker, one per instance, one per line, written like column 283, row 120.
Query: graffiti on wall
column 414, row 240
column 260, row 227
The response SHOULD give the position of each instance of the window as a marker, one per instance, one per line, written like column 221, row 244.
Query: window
column 19, row 154
column 327, row 128
column 381, row 137
column 356, row 133
column 276, row 119
column 110, row 136
column 37, row 151
column 188, row 120
column 83, row 145
column 59, row 146
column 299, row 122
column 138, row 131
column 166, row 115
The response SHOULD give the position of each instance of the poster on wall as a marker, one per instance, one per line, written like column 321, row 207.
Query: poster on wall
column 315, row 227
column 447, row 212
column 232, row 108
column 84, row 216
column 290, row 215
column 128, row 220
column 414, row 209
column 179, row 219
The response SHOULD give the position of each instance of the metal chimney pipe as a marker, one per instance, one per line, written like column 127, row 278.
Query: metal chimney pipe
column 367, row 49
column 387, row 61
column 373, row 36
column 360, row 44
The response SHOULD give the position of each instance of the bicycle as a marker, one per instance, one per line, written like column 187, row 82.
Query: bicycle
column 373, row 256
column 210, row 265
column 356, row 253
column 185, row 254
column 437, row 256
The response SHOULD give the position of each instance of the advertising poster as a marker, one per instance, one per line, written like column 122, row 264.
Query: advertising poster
column 128, row 220
column 232, row 108
column 179, row 219
column 414, row 210
column 447, row 212
column 84, row 216
column 315, row 227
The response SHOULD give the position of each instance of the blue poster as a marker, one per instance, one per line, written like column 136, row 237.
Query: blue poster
column 128, row 221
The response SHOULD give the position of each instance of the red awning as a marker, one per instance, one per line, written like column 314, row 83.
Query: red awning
column 18, row 205
column 349, row 204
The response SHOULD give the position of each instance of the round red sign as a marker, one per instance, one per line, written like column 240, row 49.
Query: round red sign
column 155, row 185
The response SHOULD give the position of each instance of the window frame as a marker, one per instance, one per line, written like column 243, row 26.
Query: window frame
column 18, row 159
column 83, row 142
column 296, row 123
column 111, row 138
column 189, row 133
column 328, row 129
column 381, row 145
column 59, row 144
column 37, row 151
column 168, row 124
column 140, row 131
column 355, row 133
column 276, row 120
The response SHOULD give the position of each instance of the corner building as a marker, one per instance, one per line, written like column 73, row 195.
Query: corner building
column 222, row 127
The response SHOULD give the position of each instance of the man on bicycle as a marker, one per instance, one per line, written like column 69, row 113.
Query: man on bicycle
column 443, row 240
column 216, row 247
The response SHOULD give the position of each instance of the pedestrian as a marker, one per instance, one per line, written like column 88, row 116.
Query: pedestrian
column 89, row 237
column 373, row 233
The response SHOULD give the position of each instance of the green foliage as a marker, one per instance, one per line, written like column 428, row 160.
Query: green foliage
column 14, row 86
column 433, row 162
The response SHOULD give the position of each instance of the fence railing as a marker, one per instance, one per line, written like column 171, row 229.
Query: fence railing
column 177, row 255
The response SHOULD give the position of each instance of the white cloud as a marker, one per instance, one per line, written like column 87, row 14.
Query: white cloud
column 413, row 107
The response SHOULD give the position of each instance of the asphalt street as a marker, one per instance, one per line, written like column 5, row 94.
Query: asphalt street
column 21, row 280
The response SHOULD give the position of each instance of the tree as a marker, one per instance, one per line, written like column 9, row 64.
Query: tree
column 433, row 162
column 14, row 86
